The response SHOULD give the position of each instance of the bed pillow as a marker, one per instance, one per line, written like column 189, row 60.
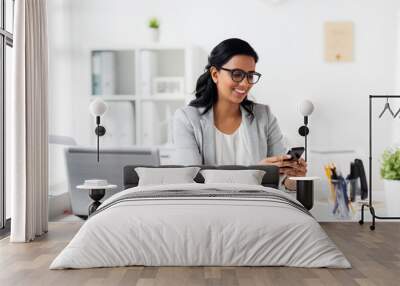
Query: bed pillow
column 248, row 177
column 163, row 176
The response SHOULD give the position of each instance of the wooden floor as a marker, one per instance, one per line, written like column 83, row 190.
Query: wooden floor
column 375, row 256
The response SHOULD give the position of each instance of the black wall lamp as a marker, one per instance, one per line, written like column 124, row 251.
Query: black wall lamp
column 97, row 108
column 306, row 108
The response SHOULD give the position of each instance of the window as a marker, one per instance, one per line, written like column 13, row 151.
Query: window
column 6, row 43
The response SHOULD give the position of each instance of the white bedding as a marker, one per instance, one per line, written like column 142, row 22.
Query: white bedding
column 200, row 231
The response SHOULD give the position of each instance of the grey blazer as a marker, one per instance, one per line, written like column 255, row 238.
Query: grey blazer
column 194, row 135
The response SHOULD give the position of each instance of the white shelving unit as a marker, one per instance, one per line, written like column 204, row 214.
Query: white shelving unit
column 128, row 76
column 117, row 97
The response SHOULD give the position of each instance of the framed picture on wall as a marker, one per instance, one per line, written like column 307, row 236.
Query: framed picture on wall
column 168, row 85
column 339, row 41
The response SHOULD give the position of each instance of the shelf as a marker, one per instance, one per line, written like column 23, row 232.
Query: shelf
column 142, row 46
column 115, row 97
column 151, row 81
column 163, row 98
column 137, row 98
column 113, row 72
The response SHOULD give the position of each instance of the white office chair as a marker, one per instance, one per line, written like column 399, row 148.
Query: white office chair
column 82, row 165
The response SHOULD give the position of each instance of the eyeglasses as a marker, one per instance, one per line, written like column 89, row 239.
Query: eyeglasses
column 238, row 75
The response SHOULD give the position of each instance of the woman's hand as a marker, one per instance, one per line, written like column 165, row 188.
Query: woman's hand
column 297, row 169
column 291, row 168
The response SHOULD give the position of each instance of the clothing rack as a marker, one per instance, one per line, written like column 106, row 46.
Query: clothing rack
column 369, row 205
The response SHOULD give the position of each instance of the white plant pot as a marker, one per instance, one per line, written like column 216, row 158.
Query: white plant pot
column 154, row 35
column 392, row 196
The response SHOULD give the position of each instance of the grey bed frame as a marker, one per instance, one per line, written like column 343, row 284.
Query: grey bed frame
column 270, row 179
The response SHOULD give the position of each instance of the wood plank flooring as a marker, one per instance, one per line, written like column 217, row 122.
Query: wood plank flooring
column 375, row 257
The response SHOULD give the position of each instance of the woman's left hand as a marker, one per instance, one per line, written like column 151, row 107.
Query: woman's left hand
column 297, row 170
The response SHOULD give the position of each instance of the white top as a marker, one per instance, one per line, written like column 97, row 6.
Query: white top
column 231, row 148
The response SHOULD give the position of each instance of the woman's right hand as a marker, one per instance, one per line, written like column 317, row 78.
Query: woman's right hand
column 281, row 161
column 286, row 166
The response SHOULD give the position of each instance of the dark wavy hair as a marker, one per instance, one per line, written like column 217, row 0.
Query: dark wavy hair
column 206, row 90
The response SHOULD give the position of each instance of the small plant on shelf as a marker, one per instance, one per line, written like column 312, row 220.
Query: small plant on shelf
column 154, row 23
column 390, row 169
column 154, row 26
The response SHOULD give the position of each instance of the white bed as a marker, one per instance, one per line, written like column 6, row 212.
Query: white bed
column 185, row 230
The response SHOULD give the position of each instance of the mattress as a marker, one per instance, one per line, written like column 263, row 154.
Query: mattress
column 201, row 225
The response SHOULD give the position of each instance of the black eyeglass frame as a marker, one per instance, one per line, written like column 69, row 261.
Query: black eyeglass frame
column 244, row 74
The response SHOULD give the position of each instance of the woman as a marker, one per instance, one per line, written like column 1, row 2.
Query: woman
column 221, row 126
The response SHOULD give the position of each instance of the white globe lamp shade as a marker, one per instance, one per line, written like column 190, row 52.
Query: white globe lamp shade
column 306, row 107
column 97, row 107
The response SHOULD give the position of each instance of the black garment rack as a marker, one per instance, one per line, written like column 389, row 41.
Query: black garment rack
column 369, row 205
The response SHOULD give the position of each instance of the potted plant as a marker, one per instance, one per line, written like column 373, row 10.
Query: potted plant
column 154, row 26
column 390, row 172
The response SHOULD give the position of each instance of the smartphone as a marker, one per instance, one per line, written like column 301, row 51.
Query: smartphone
column 296, row 152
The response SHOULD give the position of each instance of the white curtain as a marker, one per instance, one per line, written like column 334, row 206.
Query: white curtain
column 29, row 155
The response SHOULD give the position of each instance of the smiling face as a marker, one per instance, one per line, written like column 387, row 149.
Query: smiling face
column 229, row 90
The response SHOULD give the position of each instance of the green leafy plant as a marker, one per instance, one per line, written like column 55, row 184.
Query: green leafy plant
column 390, row 168
column 153, row 23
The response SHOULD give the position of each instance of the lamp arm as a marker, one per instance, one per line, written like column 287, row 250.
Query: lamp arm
column 305, row 148
column 98, row 137
column 305, row 138
column 303, row 131
column 98, row 151
column 99, row 131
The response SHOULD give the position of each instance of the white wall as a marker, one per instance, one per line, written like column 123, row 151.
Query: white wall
column 288, row 38
column 60, row 92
